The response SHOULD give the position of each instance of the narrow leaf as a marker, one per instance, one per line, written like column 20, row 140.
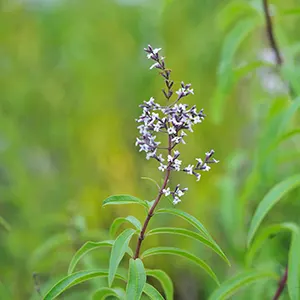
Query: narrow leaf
column 271, row 198
column 182, row 253
column 265, row 234
column 74, row 279
column 293, row 280
column 152, row 292
column 191, row 234
column 104, row 292
column 124, row 199
column 190, row 219
column 87, row 247
column 118, row 250
column 119, row 221
column 231, row 286
column 136, row 279
column 152, row 180
column 165, row 282
column 184, row 215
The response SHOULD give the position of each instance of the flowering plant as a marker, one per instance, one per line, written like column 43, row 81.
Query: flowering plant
column 172, row 121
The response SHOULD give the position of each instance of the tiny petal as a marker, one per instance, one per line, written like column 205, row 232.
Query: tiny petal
column 155, row 65
column 166, row 192
column 176, row 200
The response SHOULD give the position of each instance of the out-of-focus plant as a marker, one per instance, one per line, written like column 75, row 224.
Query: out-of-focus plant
column 279, row 76
column 170, row 122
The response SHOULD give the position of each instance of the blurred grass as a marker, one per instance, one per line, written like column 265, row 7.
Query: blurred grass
column 72, row 76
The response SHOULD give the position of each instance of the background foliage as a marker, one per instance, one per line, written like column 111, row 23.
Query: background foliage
column 72, row 76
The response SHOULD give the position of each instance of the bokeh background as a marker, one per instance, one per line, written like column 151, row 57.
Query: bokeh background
column 72, row 75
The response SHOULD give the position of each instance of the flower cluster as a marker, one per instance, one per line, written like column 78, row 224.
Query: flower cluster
column 173, row 121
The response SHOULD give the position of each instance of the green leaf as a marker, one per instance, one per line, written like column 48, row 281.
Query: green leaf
column 152, row 292
column 231, row 286
column 182, row 253
column 136, row 279
column 191, row 234
column 105, row 292
column 225, row 77
column 74, row 279
column 84, row 249
column 265, row 234
column 119, row 221
column 293, row 279
column 190, row 219
column 124, row 199
column 271, row 198
column 184, row 215
column 118, row 250
column 165, row 281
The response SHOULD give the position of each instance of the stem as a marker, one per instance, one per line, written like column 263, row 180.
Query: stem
column 281, row 285
column 151, row 210
column 270, row 33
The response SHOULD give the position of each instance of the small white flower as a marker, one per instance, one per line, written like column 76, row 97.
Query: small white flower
column 176, row 153
column 155, row 65
column 176, row 200
column 149, row 55
column 183, row 133
column 176, row 139
column 199, row 160
column 180, row 92
column 160, row 158
column 150, row 154
column 198, row 176
column 156, row 127
column 180, row 193
column 190, row 91
column 150, row 102
column 189, row 169
column 171, row 130
column 156, row 50
column 162, row 167
column 170, row 158
column 166, row 192
column 206, row 167
column 177, row 164
column 144, row 147
column 197, row 119
column 155, row 115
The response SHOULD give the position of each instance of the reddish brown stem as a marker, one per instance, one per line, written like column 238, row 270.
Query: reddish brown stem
column 152, row 209
column 270, row 33
column 281, row 285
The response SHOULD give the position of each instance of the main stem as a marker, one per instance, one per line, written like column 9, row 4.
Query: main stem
column 281, row 285
column 151, row 210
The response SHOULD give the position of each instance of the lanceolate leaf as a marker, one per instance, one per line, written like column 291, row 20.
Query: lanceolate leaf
column 182, row 253
column 152, row 292
column 190, row 219
column 225, row 73
column 188, row 233
column 118, row 250
column 104, row 292
column 123, row 199
column 165, row 281
column 233, row 285
column 87, row 247
column 74, row 279
column 264, row 234
column 271, row 198
column 293, row 280
column 119, row 221
column 136, row 279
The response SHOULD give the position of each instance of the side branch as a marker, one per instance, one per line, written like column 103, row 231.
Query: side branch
column 281, row 285
column 270, row 33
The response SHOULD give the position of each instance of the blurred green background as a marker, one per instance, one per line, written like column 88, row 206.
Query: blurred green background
column 72, row 75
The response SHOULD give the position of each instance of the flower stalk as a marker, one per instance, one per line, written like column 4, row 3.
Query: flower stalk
column 172, row 120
